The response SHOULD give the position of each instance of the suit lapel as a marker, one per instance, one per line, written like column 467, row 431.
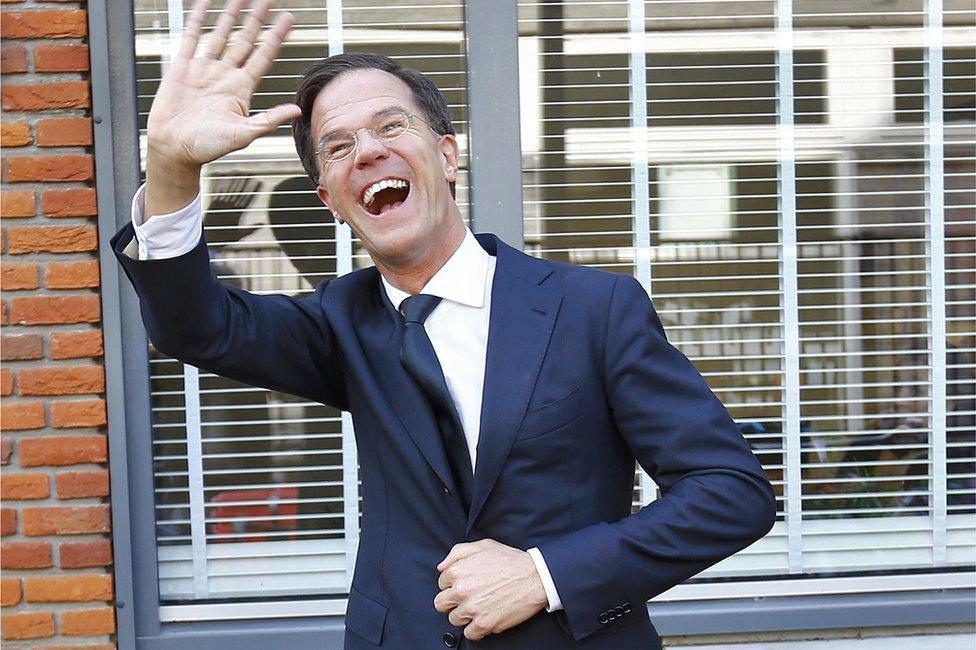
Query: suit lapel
column 520, row 326
column 380, row 329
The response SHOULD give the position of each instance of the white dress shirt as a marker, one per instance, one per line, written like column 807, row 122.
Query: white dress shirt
column 458, row 326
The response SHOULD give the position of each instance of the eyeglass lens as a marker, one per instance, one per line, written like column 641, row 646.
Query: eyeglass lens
column 340, row 144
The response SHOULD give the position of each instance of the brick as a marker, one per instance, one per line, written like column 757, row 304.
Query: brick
column 44, row 24
column 24, row 485
column 18, row 203
column 74, row 202
column 88, row 622
column 61, row 380
column 13, row 59
column 20, row 346
column 67, row 132
column 9, row 591
column 68, row 589
column 50, row 310
column 6, row 444
column 14, row 134
column 28, row 625
column 71, row 57
column 71, row 275
column 69, row 167
column 77, row 485
column 51, row 239
column 45, row 97
column 20, row 416
column 62, row 450
column 8, row 521
column 100, row 646
column 73, row 415
column 64, row 520
column 25, row 555
column 80, row 555
column 14, row 277
column 76, row 345
column 4, row 311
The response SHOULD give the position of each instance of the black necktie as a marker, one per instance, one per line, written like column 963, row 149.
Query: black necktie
column 418, row 357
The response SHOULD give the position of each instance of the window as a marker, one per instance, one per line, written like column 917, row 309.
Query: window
column 256, row 491
column 767, row 175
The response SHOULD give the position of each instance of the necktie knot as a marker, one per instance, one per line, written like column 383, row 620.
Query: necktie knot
column 417, row 308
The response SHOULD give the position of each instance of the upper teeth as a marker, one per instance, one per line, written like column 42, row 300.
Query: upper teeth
column 381, row 185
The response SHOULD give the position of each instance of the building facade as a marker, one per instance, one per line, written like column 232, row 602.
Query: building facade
column 791, row 181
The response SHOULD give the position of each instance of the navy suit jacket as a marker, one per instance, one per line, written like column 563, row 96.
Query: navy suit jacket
column 580, row 381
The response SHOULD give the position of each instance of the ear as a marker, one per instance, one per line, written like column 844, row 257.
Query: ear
column 323, row 195
column 450, row 155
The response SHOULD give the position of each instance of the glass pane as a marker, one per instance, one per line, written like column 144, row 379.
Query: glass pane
column 679, row 155
column 249, row 483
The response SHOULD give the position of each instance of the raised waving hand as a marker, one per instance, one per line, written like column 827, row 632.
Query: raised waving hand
column 201, row 110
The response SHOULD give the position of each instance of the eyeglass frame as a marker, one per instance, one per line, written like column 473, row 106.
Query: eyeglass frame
column 355, row 137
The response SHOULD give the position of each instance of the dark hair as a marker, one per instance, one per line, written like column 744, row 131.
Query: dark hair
column 320, row 74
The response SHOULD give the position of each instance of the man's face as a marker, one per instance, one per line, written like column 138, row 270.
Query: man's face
column 402, row 225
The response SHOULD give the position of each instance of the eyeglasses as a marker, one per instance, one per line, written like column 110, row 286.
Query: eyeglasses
column 339, row 145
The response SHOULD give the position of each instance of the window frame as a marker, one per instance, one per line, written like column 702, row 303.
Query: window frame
column 492, row 48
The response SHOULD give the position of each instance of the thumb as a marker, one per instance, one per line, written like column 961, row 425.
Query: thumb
column 267, row 122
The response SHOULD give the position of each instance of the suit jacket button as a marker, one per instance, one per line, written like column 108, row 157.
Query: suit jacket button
column 620, row 610
column 604, row 618
column 449, row 640
column 626, row 608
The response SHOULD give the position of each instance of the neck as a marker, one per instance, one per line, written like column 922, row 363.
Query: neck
column 412, row 277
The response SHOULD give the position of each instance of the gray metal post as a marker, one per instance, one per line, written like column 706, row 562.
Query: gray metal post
column 494, row 145
column 126, row 355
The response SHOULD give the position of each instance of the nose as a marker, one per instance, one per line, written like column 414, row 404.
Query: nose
column 369, row 148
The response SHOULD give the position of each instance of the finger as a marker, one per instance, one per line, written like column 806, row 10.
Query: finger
column 457, row 618
column 264, row 54
column 475, row 631
column 444, row 601
column 214, row 42
column 445, row 580
column 191, row 31
column 458, row 552
column 268, row 122
column 243, row 42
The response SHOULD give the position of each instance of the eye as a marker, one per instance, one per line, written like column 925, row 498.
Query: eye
column 392, row 127
column 337, row 148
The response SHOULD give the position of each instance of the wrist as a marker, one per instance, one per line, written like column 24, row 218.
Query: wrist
column 537, row 593
column 170, row 184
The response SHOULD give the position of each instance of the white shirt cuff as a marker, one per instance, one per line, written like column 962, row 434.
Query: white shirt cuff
column 551, row 594
column 166, row 235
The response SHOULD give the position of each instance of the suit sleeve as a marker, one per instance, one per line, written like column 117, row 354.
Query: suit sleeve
column 716, row 499
column 275, row 342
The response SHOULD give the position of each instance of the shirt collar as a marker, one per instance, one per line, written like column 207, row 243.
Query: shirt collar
column 462, row 279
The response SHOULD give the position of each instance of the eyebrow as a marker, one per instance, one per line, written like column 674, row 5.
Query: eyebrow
column 389, row 110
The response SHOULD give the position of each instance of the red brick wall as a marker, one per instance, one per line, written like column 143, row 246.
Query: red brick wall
column 56, row 556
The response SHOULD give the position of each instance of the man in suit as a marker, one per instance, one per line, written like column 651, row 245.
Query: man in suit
column 499, row 400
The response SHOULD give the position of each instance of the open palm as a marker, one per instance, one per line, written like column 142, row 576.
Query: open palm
column 201, row 110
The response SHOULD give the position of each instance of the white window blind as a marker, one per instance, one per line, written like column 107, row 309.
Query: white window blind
column 257, row 491
column 793, row 184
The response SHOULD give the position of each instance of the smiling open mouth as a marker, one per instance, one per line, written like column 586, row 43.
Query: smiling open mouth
column 385, row 195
